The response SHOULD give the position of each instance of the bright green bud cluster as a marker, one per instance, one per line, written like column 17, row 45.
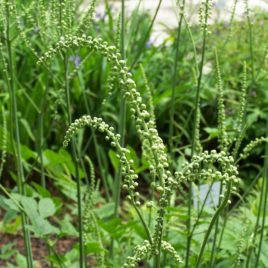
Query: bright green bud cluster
column 3, row 143
column 252, row 145
column 170, row 249
column 201, row 165
column 140, row 254
column 130, row 182
column 146, row 130
column 204, row 14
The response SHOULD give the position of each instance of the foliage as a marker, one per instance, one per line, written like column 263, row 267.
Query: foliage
column 152, row 131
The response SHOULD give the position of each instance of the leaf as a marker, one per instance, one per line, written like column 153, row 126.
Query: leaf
column 27, row 128
column 42, row 227
column 46, row 207
column 7, row 251
column 8, row 204
column 132, row 155
column 212, row 131
column 105, row 211
column 42, row 191
column 114, row 159
column 21, row 261
column 67, row 226
column 27, row 153
column 94, row 247
column 29, row 205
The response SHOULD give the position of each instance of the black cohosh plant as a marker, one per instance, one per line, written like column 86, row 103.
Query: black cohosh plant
column 55, row 24
column 216, row 166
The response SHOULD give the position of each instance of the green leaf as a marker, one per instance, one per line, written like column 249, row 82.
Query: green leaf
column 114, row 159
column 67, row 226
column 105, row 211
column 42, row 191
column 29, row 205
column 21, row 261
column 46, row 207
column 93, row 247
column 132, row 155
column 27, row 128
column 42, row 227
column 212, row 131
column 8, row 204
column 27, row 153
column 7, row 251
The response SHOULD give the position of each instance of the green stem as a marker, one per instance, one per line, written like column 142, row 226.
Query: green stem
column 17, row 148
column 173, row 95
column 257, row 224
column 122, row 125
column 197, row 100
column 76, row 162
column 214, row 219
column 143, row 223
column 201, row 211
column 141, row 47
column 250, row 42
column 227, row 215
column 97, row 147
column 213, row 251
column 122, row 116
column 41, row 135
column 265, row 178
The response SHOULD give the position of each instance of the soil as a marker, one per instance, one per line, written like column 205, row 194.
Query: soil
column 39, row 248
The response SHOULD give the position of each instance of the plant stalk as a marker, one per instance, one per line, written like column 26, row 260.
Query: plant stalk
column 16, row 131
column 197, row 101
column 75, row 153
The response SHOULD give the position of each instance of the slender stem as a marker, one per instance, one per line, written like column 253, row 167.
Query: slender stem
column 257, row 224
column 76, row 162
column 146, row 228
column 265, row 178
column 228, row 213
column 214, row 219
column 141, row 47
column 41, row 135
column 213, row 250
column 122, row 116
column 17, row 148
column 11, row 197
column 174, row 79
column 97, row 148
column 197, row 100
column 158, row 255
column 122, row 124
column 57, row 257
column 173, row 98
column 201, row 210
column 250, row 42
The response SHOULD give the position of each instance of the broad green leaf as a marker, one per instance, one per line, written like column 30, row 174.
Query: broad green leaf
column 105, row 211
column 67, row 226
column 27, row 153
column 42, row 227
column 93, row 247
column 21, row 261
column 29, row 205
column 46, row 207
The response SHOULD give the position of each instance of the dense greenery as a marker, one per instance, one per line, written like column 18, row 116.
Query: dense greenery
column 107, row 138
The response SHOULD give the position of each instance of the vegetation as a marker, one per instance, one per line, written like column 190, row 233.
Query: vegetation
column 139, row 155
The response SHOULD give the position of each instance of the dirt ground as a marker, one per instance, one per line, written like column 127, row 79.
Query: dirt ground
column 40, row 251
